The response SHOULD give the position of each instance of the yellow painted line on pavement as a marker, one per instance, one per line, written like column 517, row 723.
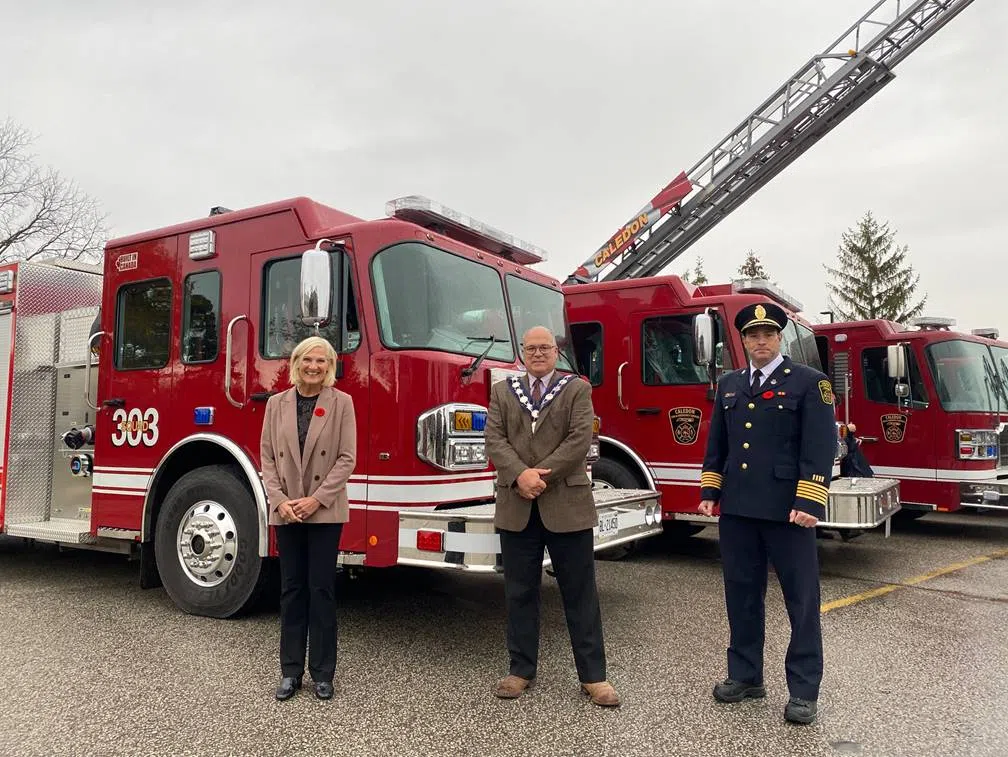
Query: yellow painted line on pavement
column 881, row 591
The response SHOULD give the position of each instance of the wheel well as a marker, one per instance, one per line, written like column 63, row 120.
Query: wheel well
column 189, row 457
column 618, row 454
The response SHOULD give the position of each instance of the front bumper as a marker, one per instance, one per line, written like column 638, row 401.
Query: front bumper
column 991, row 494
column 861, row 503
column 469, row 541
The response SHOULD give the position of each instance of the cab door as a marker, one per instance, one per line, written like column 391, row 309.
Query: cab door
column 276, row 328
column 666, row 395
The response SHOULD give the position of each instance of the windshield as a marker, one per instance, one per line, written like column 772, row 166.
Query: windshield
column 964, row 376
column 536, row 305
column 430, row 299
column 1001, row 363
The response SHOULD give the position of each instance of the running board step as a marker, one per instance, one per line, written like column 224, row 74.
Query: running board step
column 60, row 530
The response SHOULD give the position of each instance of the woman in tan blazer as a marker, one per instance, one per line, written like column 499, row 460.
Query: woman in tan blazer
column 308, row 451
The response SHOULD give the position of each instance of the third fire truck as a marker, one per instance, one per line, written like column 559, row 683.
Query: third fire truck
column 928, row 404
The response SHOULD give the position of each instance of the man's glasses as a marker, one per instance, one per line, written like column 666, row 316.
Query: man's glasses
column 538, row 349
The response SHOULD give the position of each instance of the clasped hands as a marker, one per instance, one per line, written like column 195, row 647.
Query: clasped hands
column 296, row 510
column 530, row 483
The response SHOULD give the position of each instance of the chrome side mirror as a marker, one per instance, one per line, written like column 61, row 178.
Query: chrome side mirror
column 316, row 283
column 896, row 361
column 703, row 339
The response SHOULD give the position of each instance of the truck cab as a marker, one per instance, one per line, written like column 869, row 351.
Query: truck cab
column 653, row 349
column 929, row 405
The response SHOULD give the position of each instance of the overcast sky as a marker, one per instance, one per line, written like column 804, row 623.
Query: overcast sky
column 553, row 119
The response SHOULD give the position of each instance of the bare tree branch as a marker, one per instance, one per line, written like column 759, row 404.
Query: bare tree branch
column 42, row 214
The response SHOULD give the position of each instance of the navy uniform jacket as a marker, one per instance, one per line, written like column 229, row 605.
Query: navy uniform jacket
column 771, row 452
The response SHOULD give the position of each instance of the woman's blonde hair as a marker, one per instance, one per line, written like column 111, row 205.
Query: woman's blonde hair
column 305, row 346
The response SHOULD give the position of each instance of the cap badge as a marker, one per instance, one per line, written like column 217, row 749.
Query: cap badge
column 760, row 312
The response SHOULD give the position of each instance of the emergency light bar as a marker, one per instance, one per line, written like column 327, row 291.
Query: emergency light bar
column 987, row 333
column 435, row 216
column 933, row 323
column 762, row 286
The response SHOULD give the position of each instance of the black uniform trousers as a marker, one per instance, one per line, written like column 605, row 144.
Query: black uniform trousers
column 573, row 557
column 746, row 546
column 308, row 553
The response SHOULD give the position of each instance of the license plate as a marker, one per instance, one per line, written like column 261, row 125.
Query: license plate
column 608, row 524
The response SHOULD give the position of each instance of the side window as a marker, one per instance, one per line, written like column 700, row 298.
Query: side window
column 282, row 328
column 667, row 352
column 808, row 346
column 201, row 317
column 879, row 387
column 790, row 344
column 143, row 325
column 588, row 350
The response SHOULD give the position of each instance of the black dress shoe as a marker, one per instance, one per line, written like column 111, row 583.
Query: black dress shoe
column 735, row 691
column 323, row 689
column 288, row 685
column 800, row 711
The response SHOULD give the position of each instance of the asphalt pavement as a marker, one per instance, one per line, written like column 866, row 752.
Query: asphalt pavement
column 915, row 631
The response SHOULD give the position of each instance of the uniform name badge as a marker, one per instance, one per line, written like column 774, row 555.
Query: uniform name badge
column 526, row 402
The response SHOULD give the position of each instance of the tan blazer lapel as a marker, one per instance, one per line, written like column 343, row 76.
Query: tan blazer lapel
column 326, row 403
column 288, row 425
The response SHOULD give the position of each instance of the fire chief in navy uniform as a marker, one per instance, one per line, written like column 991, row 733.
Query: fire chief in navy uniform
column 769, row 460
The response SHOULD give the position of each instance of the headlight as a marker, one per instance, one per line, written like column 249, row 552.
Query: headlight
column 450, row 437
column 976, row 444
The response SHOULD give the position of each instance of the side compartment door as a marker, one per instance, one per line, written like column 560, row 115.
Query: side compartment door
column 274, row 313
column 135, row 424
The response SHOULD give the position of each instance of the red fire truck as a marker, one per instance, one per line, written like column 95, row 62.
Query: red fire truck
column 653, row 345
column 135, row 395
column 652, row 348
column 928, row 404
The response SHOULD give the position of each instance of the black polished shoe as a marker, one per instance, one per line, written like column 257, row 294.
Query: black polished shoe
column 323, row 689
column 730, row 691
column 288, row 685
column 801, row 711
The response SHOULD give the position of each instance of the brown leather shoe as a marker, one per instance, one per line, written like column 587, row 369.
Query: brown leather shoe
column 601, row 693
column 512, row 687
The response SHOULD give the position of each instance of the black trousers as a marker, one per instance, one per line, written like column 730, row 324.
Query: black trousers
column 746, row 546
column 573, row 561
column 308, row 553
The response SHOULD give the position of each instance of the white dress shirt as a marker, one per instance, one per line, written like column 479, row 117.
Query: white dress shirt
column 767, row 370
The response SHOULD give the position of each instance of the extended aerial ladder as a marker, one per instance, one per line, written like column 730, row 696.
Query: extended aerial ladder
column 805, row 108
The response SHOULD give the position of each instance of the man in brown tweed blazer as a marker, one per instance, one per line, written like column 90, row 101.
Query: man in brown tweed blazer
column 538, row 431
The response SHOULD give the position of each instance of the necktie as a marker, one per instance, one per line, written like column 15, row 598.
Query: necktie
column 755, row 382
column 536, row 391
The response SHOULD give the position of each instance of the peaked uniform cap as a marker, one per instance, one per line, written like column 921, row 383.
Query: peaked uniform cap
column 761, row 314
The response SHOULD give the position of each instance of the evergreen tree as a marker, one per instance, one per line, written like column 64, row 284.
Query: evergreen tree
column 752, row 268
column 872, row 278
column 697, row 277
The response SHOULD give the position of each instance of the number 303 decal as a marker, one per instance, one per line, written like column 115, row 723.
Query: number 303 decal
column 135, row 427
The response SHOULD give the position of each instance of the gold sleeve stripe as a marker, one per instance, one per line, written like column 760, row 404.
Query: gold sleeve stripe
column 814, row 487
column 814, row 492
column 711, row 480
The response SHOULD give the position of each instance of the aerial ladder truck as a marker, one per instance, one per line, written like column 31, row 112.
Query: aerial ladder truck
column 653, row 345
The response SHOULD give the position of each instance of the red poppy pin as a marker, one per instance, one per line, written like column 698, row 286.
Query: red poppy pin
column 768, row 395
column 320, row 411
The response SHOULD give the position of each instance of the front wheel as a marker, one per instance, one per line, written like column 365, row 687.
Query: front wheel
column 207, row 543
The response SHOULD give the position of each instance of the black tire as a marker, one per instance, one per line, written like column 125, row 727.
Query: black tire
column 223, row 573
column 613, row 474
column 681, row 529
